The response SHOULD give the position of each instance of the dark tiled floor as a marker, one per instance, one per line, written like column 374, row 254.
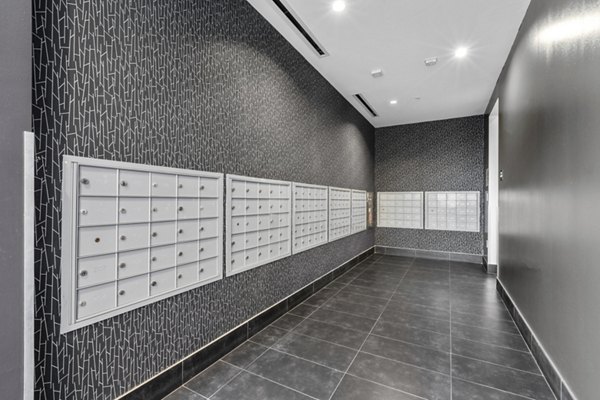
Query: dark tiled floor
column 392, row 328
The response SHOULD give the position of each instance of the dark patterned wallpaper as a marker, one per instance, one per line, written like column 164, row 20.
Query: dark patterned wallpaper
column 432, row 156
column 197, row 84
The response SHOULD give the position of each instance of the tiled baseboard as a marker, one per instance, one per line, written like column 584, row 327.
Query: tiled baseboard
column 557, row 384
column 432, row 254
column 167, row 381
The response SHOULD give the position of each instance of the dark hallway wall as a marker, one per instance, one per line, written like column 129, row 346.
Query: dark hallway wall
column 550, row 153
column 206, row 85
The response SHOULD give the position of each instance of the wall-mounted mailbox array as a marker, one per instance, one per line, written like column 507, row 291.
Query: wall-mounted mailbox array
column 359, row 211
column 134, row 234
column 400, row 210
column 309, row 216
column 340, row 213
column 452, row 211
column 258, row 222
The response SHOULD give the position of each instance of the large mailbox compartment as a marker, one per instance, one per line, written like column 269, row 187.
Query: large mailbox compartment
column 134, row 234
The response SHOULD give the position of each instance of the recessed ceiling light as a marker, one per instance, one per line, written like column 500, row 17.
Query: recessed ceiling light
column 393, row 102
column 338, row 5
column 377, row 73
column 430, row 62
column 461, row 52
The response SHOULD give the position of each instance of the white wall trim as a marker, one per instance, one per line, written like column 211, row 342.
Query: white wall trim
column 494, row 173
column 28, row 264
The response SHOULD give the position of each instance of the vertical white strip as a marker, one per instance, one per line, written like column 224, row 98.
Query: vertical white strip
column 493, row 211
column 28, row 261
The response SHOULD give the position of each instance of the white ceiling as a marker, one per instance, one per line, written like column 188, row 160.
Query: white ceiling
column 397, row 36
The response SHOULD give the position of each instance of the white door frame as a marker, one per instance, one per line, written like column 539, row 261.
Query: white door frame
column 493, row 168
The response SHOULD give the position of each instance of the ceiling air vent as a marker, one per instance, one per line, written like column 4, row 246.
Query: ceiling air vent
column 365, row 103
column 301, row 27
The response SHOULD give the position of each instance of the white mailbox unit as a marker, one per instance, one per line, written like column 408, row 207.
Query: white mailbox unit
column 400, row 210
column 134, row 234
column 258, row 222
column 340, row 213
column 452, row 211
column 359, row 211
column 309, row 216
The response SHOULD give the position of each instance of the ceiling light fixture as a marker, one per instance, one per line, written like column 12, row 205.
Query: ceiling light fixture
column 377, row 73
column 338, row 6
column 393, row 102
column 461, row 52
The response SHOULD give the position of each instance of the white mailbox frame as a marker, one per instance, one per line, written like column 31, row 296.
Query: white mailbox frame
column 331, row 209
column 228, row 224
column 477, row 199
column 385, row 223
column 355, row 221
column 295, row 187
column 69, row 245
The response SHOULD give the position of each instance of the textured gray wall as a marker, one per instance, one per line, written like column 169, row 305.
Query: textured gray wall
column 549, row 216
column 15, row 117
column 197, row 84
column 432, row 156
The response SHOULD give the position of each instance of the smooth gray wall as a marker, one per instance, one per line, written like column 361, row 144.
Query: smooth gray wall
column 549, row 215
column 15, row 117
column 432, row 156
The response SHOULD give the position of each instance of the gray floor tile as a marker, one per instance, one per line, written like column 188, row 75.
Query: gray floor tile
column 368, row 291
column 498, row 309
column 245, row 354
column 354, row 388
column 287, row 322
column 462, row 390
column 362, row 310
column 424, row 299
column 343, row 320
column 303, row 310
column 319, row 351
column 375, row 284
column 184, row 394
column 212, row 379
column 510, row 380
column 416, row 321
column 496, row 338
column 417, row 381
column 484, row 321
column 320, row 297
column 421, row 337
column 268, row 336
column 356, row 298
column 419, row 309
column 332, row 333
column 304, row 376
column 251, row 387
column 497, row 355
column 419, row 356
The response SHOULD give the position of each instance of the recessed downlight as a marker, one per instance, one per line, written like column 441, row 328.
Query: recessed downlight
column 338, row 6
column 461, row 52
column 393, row 102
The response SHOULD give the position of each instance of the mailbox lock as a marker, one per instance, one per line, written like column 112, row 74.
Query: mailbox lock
column 180, row 185
column 85, row 181
column 122, row 265
column 180, row 231
column 233, row 207
column 155, row 209
column 154, row 234
column 154, row 184
column 154, row 283
column 247, row 257
column 180, row 253
column 123, row 211
column 233, row 243
column 123, row 183
column 201, row 249
column 121, row 293
column 180, row 208
column 153, row 258
column 247, row 190
column 259, row 254
column 201, row 228
column 82, row 304
column 202, row 269
column 83, row 273
column 180, row 276
column 123, row 237
column 84, row 212
column 202, row 187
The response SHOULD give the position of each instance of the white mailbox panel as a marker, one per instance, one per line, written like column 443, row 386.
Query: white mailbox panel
column 130, row 231
column 340, row 213
column 359, row 211
column 452, row 211
column 258, row 221
column 400, row 210
column 309, row 216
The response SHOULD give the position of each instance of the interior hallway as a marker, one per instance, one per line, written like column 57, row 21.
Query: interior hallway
column 390, row 328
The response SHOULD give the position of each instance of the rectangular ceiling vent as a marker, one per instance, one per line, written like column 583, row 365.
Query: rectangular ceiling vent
column 365, row 103
column 301, row 27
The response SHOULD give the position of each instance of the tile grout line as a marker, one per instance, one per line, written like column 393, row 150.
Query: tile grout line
column 364, row 341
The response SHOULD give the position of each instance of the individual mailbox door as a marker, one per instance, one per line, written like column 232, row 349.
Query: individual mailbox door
column 132, row 290
column 188, row 186
column 208, row 248
column 188, row 209
column 133, row 263
column 251, row 239
column 96, row 270
column 95, row 299
column 237, row 225
column 238, row 207
column 187, row 274
column 134, row 183
column 187, row 252
column 163, row 233
column 209, row 187
column 133, row 236
column 238, row 189
column 209, row 228
column 263, row 254
column 209, row 268
column 164, row 185
column 133, row 210
column 164, row 209
column 97, row 211
column 251, row 190
column 188, row 230
column 162, row 257
column 238, row 259
column 209, row 208
column 162, row 281
column 251, row 256
column 237, row 242
column 97, row 181
column 97, row 240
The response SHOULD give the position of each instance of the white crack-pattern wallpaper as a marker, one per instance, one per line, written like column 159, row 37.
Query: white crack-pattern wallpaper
column 197, row 84
column 446, row 155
